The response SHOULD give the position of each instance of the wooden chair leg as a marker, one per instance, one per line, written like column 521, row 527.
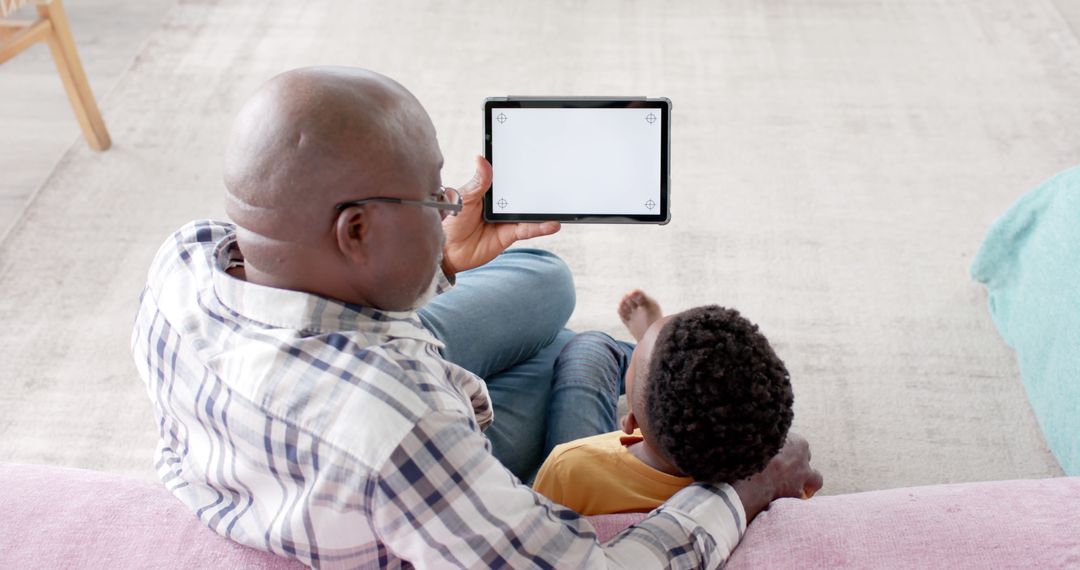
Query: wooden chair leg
column 71, row 72
column 15, row 37
column 10, row 28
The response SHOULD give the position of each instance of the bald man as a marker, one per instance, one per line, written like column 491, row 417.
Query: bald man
column 312, row 161
column 311, row 402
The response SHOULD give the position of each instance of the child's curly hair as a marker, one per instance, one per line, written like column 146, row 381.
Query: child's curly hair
column 718, row 399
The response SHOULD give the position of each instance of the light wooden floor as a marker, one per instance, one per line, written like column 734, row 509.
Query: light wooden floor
column 36, row 122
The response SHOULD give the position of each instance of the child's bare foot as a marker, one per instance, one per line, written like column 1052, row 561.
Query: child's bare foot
column 637, row 311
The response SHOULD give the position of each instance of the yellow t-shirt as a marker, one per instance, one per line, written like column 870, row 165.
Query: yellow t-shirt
column 598, row 475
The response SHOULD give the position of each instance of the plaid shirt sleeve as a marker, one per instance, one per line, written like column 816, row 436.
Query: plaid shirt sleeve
column 443, row 500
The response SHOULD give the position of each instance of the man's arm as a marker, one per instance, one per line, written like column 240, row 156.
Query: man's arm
column 443, row 499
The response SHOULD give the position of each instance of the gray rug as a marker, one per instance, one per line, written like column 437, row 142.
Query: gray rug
column 836, row 165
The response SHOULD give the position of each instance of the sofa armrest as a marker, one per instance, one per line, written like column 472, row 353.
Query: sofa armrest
column 997, row 524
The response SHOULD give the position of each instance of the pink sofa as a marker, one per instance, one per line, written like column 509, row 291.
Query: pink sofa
column 57, row 517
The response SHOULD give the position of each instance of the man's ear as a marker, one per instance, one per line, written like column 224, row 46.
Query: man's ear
column 628, row 423
column 351, row 231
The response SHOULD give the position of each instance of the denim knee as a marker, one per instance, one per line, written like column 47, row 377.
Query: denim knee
column 585, row 395
column 552, row 277
column 591, row 358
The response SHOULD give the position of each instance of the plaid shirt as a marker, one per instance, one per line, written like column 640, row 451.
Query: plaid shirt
column 337, row 435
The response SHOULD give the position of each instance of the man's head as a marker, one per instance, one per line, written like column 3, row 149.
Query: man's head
column 710, row 395
column 313, row 138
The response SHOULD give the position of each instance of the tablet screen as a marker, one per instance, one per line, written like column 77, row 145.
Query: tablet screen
column 586, row 160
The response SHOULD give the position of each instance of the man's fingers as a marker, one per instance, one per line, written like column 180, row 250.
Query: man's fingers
column 798, row 443
column 814, row 479
column 475, row 188
column 529, row 231
column 548, row 228
column 793, row 468
column 814, row 483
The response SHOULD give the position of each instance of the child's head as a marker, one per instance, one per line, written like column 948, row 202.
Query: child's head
column 709, row 394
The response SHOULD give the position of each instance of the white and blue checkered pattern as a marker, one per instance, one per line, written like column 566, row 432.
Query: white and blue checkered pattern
column 337, row 435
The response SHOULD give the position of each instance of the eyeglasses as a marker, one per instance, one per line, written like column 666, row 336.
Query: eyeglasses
column 448, row 201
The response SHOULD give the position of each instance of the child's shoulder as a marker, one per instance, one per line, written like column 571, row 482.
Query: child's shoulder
column 602, row 443
column 588, row 451
column 577, row 461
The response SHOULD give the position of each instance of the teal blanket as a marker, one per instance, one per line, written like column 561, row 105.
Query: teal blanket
column 1030, row 264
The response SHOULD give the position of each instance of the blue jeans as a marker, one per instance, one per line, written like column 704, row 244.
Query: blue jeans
column 590, row 374
column 505, row 322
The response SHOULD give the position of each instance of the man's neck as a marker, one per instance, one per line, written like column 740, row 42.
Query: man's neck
column 647, row 455
column 303, row 263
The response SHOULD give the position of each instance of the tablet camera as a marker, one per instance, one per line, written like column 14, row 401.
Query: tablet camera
column 650, row 118
column 502, row 118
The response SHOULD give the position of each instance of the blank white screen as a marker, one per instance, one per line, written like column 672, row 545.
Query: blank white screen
column 576, row 161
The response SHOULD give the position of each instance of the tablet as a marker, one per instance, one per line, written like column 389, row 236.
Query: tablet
column 591, row 160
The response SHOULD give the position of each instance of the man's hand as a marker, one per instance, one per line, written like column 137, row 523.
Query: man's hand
column 469, row 241
column 787, row 475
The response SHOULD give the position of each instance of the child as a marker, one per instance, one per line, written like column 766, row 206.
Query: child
column 708, row 400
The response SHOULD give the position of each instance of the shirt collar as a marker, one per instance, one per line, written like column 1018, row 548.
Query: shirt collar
column 284, row 308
